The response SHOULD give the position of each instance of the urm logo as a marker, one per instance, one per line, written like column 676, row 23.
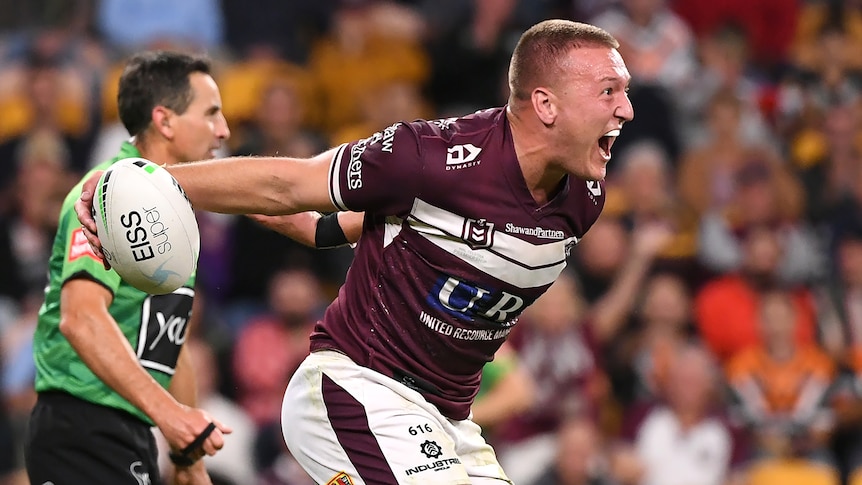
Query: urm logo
column 468, row 302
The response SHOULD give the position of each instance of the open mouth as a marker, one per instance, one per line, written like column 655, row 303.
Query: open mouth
column 606, row 142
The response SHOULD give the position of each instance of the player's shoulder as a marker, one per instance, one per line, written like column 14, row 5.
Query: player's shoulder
column 474, row 124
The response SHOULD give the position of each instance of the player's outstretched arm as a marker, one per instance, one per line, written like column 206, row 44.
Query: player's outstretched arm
column 96, row 337
column 238, row 185
column 258, row 185
column 314, row 229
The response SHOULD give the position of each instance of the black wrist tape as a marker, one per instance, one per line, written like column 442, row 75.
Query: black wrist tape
column 328, row 232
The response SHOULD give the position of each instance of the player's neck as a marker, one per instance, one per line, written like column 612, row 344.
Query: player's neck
column 532, row 151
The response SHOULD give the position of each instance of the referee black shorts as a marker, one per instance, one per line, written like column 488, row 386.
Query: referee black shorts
column 74, row 442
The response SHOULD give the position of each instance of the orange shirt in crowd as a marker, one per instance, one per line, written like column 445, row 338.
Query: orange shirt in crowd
column 726, row 314
column 781, row 386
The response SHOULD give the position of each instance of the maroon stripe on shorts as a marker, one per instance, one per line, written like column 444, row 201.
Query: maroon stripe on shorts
column 348, row 419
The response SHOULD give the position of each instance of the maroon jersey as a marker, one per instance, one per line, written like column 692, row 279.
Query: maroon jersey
column 453, row 249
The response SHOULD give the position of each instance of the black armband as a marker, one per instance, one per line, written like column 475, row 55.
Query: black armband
column 328, row 232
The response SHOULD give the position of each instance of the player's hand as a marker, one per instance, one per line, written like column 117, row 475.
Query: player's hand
column 185, row 425
column 192, row 475
column 84, row 210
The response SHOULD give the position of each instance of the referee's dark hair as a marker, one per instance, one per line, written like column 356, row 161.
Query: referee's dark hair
column 156, row 78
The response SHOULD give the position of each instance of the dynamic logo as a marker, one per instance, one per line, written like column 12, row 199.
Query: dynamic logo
column 462, row 156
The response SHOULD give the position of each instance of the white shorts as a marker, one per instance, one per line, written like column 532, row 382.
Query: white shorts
column 347, row 424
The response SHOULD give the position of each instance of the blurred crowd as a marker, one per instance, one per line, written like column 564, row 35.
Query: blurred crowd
column 708, row 330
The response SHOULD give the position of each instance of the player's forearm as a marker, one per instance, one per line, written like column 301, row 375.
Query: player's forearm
column 315, row 230
column 237, row 185
column 256, row 185
column 300, row 227
column 106, row 352
column 351, row 224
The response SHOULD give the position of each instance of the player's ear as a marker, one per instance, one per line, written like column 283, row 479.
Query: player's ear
column 544, row 105
column 162, row 118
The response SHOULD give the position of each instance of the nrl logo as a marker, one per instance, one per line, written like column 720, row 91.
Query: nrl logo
column 478, row 233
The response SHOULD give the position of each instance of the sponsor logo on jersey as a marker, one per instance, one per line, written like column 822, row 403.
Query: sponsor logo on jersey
column 142, row 477
column 79, row 247
column 468, row 302
column 431, row 449
column 388, row 138
column 354, row 168
column 537, row 231
column 462, row 156
column 164, row 326
column 341, row 479
column 449, row 330
column 569, row 245
column 444, row 123
column 478, row 233
column 595, row 189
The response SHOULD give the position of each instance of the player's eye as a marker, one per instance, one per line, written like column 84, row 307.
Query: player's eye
column 608, row 91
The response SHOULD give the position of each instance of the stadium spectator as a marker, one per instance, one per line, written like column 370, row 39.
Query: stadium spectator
column 780, row 389
column 683, row 437
column 726, row 308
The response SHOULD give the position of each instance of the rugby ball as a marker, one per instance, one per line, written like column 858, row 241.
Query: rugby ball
column 146, row 225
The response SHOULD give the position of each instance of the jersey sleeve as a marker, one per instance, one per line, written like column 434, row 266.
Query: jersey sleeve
column 79, row 260
column 381, row 173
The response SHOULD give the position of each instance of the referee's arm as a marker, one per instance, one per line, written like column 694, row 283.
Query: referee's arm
column 184, row 388
column 183, row 384
column 98, row 340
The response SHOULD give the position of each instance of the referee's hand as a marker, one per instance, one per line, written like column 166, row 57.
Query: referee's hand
column 84, row 211
column 185, row 425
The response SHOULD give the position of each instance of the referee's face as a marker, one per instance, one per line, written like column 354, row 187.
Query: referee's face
column 202, row 128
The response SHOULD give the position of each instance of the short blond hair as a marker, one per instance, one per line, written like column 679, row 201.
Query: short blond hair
column 536, row 59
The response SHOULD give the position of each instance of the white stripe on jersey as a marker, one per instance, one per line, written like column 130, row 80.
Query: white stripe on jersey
column 392, row 229
column 334, row 183
column 512, row 260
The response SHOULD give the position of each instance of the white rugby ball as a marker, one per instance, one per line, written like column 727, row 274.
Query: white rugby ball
column 146, row 225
